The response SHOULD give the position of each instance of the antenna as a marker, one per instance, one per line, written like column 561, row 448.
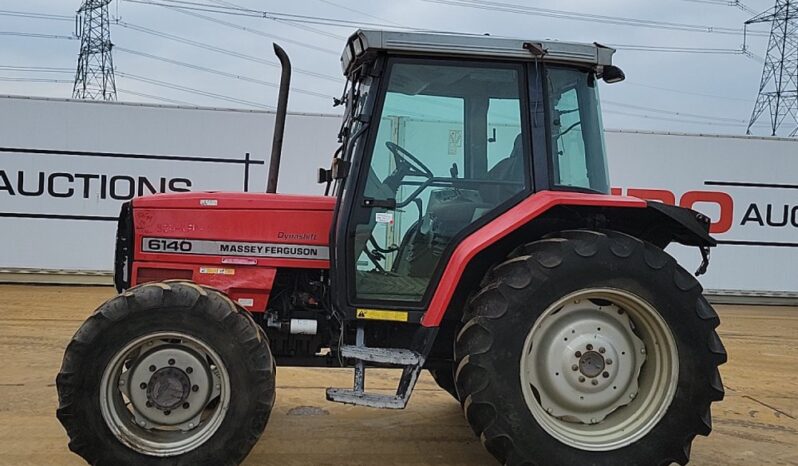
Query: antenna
column 778, row 89
column 94, row 78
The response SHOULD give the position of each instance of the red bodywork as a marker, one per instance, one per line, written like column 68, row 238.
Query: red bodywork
column 281, row 219
column 243, row 217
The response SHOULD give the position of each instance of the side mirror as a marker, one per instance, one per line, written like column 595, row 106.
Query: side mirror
column 611, row 74
column 324, row 176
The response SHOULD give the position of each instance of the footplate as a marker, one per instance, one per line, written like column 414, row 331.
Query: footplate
column 372, row 400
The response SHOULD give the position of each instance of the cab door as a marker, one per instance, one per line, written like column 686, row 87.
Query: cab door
column 446, row 151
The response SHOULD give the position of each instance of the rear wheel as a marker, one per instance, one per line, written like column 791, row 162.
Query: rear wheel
column 166, row 373
column 589, row 348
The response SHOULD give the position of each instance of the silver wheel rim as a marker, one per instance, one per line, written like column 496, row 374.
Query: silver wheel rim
column 165, row 393
column 599, row 369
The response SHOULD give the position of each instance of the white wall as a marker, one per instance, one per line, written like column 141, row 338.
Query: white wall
column 762, row 257
column 129, row 131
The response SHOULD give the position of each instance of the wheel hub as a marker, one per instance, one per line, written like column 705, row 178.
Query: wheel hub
column 591, row 364
column 168, row 388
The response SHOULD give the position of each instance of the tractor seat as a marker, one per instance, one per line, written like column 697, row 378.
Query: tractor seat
column 508, row 169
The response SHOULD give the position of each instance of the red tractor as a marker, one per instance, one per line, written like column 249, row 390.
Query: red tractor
column 471, row 233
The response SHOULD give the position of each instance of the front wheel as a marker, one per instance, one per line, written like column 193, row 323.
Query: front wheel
column 166, row 373
column 589, row 348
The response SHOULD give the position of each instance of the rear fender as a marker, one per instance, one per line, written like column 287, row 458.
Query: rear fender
column 548, row 212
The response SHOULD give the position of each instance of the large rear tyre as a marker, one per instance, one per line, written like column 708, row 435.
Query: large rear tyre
column 589, row 348
column 166, row 373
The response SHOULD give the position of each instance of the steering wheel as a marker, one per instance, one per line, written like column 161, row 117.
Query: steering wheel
column 403, row 160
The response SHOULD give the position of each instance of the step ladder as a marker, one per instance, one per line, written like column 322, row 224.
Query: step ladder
column 411, row 362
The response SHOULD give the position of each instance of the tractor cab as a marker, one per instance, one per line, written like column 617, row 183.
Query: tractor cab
column 442, row 134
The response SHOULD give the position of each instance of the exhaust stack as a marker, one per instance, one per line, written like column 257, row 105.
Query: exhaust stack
column 279, row 122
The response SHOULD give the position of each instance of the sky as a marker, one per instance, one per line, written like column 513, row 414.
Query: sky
column 709, row 92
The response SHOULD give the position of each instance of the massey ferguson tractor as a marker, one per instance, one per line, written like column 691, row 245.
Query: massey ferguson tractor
column 470, row 232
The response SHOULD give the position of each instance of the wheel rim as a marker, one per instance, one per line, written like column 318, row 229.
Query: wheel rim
column 599, row 369
column 165, row 393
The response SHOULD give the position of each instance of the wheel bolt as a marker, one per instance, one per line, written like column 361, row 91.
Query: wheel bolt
column 581, row 379
column 605, row 374
column 609, row 362
column 578, row 354
column 194, row 388
column 594, row 382
column 142, row 385
column 574, row 367
column 149, row 404
column 642, row 351
column 167, row 412
column 589, row 347
column 602, row 350
column 152, row 368
column 171, row 362
column 186, row 405
column 189, row 370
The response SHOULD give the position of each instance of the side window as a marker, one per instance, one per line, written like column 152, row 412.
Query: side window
column 570, row 143
column 577, row 136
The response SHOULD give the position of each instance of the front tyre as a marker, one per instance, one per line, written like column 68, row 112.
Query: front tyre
column 166, row 373
column 589, row 348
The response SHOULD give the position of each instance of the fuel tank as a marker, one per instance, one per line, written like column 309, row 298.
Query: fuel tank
column 233, row 241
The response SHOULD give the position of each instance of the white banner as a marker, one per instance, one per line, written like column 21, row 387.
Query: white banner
column 66, row 166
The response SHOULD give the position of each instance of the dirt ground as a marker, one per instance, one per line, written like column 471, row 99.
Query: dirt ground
column 757, row 423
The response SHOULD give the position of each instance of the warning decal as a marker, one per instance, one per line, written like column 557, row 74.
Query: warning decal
column 381, row 314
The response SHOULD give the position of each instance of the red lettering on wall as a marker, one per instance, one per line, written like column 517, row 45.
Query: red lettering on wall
column 723, row 200
column 689, row 199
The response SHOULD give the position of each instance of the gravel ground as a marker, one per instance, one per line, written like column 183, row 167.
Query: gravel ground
column 756, row 424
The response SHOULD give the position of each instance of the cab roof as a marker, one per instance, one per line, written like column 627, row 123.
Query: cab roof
column 366, row 42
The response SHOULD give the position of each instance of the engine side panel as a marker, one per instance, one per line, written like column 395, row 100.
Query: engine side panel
column 235, row 242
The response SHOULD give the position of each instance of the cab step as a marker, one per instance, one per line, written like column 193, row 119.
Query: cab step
column 411, row 362
column 393, row 356
column 372, row 400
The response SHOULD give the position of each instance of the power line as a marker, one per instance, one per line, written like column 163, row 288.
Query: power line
column 677, row 120
column 253, row 31
column 36, row 69
column 679, row 91
column 35, row 80
column 34, row 15
column 36, row 35
column 155, row 97
column 593, row 18
column 670, row 112
column 220, row 50
column 293, row 25
column 239, row 11
column 220, row 72
column 734, row 3
column 191, row 90
column 360, row 12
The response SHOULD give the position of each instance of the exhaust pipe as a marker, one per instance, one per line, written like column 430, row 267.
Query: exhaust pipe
column 279, row 122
